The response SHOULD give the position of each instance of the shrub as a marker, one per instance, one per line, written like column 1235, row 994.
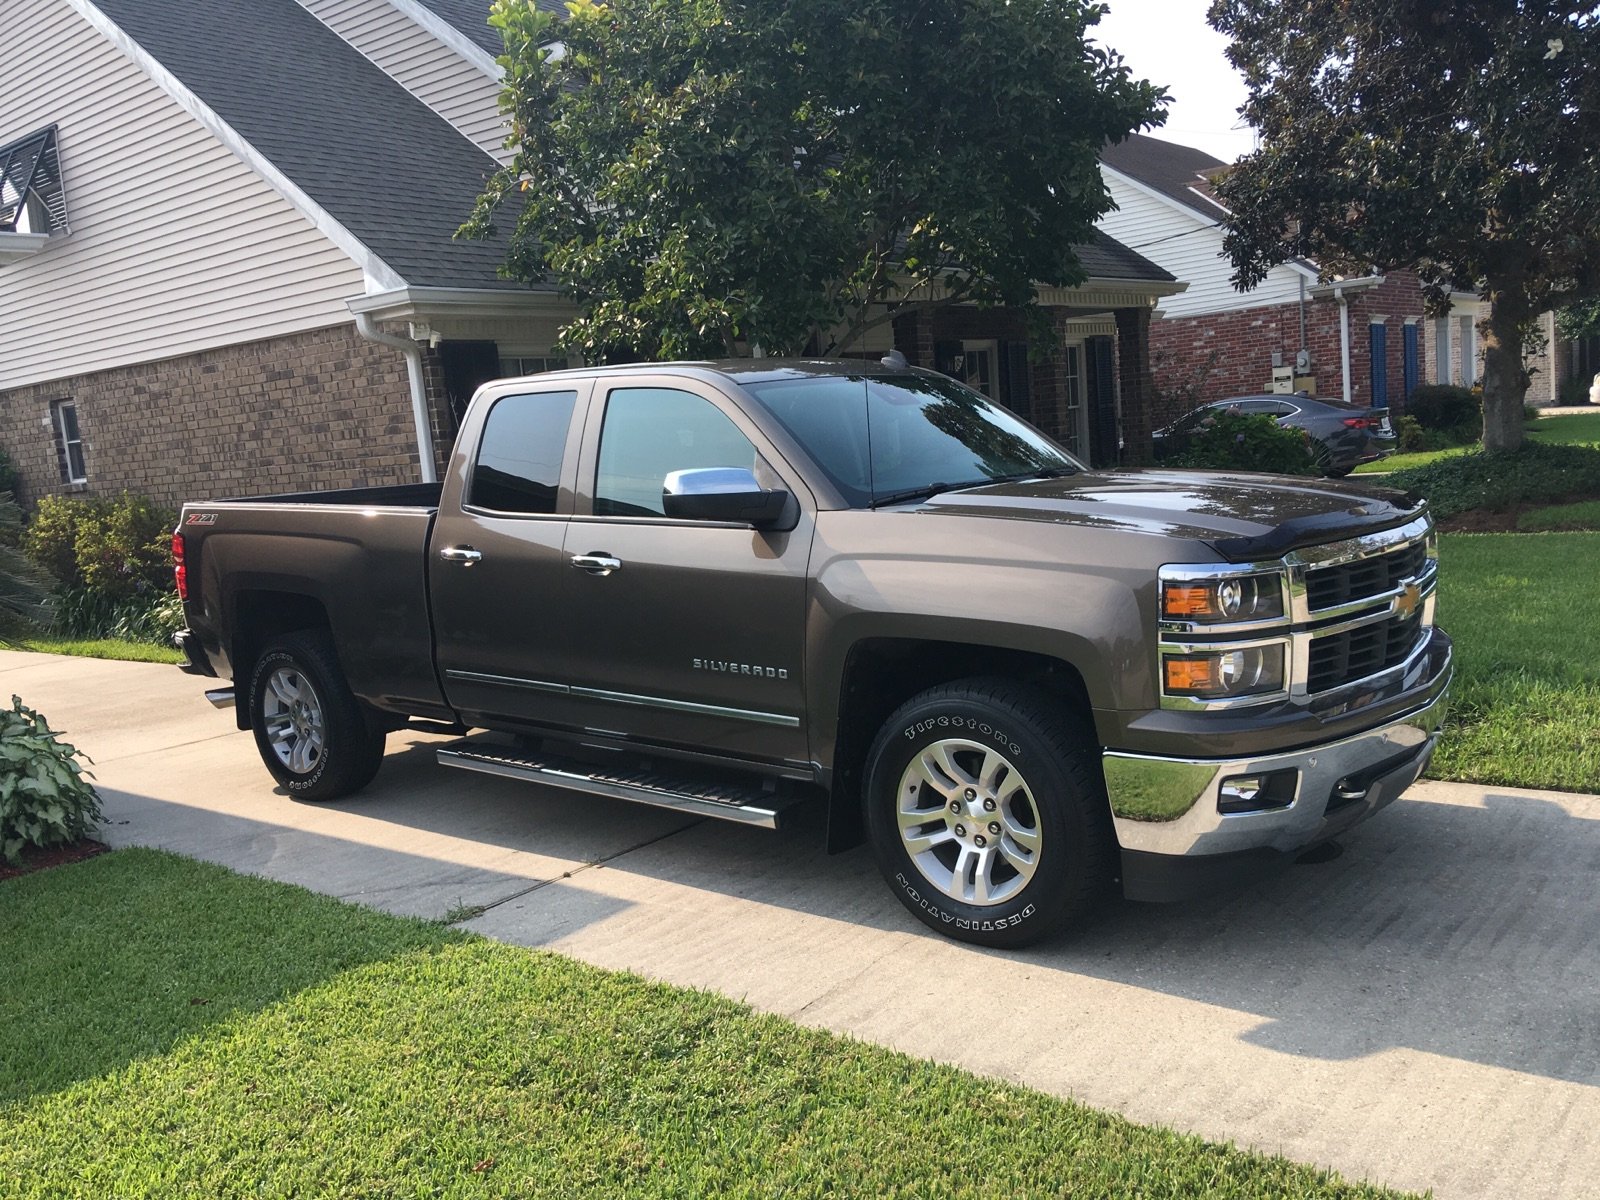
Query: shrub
column 1409, row 434
column 1533, row 474
column 1233, row 441
column 45, row 798
column 1447, row 409
column 119, row 547
column 1574, row 390
column 9, row 479
column 24, row 589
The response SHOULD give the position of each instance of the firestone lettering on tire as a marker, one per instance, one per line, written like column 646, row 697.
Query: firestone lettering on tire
column 987, row 925
column 982, row 728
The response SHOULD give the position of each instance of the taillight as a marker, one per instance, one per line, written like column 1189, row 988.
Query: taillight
column 180, row 573
column 1361, row 422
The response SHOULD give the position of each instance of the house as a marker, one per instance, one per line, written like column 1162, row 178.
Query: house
column 1365, row 340
column 227, row 259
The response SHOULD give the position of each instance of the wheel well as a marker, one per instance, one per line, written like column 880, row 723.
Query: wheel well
column 260, row 616
column 883, row 673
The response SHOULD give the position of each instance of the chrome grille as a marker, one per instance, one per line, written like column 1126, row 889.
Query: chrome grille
column 1352, row 654
column 1363, row 578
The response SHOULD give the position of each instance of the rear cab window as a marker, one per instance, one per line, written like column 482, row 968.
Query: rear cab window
column 521, row 452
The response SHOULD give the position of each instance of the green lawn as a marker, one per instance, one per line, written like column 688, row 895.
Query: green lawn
column 105, row 648
column 1521, row 609
column 1577, row 429
column 171, row 1029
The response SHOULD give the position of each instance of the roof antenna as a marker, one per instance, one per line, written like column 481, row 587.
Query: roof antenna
column 895, row 359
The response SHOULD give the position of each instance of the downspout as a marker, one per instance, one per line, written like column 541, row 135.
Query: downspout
column 368, row 329
column 1344, row 341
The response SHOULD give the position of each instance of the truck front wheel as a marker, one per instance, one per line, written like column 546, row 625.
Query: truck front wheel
column 310, row 729
column 987, row 813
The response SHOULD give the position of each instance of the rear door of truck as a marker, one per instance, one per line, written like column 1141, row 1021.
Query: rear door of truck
column 497, row 572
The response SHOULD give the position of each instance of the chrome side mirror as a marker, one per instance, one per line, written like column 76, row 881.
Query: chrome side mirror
column 721, row 494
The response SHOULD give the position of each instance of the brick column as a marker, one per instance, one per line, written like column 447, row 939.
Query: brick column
column 1133, row 374
column 913, row 337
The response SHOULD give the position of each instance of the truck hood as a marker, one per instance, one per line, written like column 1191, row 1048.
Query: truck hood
column 1243, row 517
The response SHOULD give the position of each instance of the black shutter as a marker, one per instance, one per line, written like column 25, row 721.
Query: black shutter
column 1100, row 394
column 465, row 365
column 1017, row 376
column 944, row 357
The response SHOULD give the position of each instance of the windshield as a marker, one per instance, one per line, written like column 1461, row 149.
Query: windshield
column 880, row 437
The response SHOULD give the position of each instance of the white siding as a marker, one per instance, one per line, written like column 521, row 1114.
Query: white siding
column 1183, row 242
column 175, row 246
column 419, row 62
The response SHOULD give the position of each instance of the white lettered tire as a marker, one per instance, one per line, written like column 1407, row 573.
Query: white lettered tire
column 987, row 813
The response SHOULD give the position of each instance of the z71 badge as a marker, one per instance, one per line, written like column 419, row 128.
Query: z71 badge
column 201, row 519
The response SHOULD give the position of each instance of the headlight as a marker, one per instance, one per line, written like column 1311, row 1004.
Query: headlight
column 1223, row 674
column 1223, row 599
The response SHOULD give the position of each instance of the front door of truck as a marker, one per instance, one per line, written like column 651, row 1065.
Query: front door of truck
column 683, row 632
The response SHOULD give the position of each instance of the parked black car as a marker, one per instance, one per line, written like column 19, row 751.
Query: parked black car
column 1343, row 435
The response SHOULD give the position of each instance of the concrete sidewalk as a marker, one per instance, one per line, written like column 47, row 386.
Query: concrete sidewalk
column 1423, row 1011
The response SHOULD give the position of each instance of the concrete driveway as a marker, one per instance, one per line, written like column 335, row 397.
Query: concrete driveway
column 1423, row 1011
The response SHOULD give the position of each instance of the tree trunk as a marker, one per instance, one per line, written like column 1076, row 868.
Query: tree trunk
column 1505, row 382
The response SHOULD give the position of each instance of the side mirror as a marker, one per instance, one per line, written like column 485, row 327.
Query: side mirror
column 721, row 494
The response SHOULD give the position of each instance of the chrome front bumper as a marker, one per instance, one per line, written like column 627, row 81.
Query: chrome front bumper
column 1169, row 806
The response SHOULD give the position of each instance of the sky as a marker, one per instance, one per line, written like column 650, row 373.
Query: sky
column 1169, row 43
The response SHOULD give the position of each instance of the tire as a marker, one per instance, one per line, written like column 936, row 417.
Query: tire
column 1023, row 763
column 311, row 731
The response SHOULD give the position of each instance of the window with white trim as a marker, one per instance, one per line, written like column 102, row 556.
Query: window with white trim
column 69, row 441
column 512, row 365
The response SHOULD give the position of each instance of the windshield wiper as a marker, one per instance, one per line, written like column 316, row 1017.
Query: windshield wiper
column 1042, row 473
column 928, row 490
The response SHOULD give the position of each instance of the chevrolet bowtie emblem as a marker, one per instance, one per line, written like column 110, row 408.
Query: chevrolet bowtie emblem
column 1407, row 602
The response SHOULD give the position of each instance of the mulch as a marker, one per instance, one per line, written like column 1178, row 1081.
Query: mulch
column 1476, row 521
column 35, row 859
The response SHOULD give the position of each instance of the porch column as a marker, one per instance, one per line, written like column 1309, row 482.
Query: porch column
column 1133, row 374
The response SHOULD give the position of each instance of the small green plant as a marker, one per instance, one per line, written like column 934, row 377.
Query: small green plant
column 1234, row 441
column 46, row 798
column 86, row 613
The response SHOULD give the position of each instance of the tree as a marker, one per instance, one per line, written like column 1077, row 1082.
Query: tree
column 706, row 175
column 1456, row 137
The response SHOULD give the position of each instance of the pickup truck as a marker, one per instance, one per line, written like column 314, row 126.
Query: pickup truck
column 731, row 588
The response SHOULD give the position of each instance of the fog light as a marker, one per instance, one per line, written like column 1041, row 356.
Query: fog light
column 1258, row 793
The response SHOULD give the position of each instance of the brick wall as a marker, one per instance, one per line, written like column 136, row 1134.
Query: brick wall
column 313, row 410
column 1230, row 354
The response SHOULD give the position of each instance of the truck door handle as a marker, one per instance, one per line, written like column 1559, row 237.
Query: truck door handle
column 598, row 563
column 465, row 555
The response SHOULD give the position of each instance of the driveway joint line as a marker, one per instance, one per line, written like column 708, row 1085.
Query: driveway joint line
column 581, row 868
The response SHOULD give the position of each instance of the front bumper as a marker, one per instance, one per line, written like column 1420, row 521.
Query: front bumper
column 1176, row 840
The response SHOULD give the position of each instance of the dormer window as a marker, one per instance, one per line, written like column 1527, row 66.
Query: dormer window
column 33, row 204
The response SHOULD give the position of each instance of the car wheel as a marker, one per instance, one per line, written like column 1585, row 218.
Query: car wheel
column 987, row 812
column 313, row 734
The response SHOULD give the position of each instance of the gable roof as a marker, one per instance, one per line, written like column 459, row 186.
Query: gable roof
column 365, row 150
column 1106, row 258
column 471, row 17
column 1177, row 172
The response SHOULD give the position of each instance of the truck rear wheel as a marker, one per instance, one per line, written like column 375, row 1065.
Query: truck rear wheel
column 987, row 813
column 310, row 729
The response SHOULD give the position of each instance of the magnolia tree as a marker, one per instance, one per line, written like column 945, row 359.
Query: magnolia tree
column 703, row 176
column 1455, row 137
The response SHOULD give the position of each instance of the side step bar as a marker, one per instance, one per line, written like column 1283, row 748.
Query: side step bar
column 220, row 697
column 703, row 795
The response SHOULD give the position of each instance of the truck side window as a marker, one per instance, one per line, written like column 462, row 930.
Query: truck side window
column 649, row 433
column 519, row 458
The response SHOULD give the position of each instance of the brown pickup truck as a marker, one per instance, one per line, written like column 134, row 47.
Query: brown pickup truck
column 730, row 588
